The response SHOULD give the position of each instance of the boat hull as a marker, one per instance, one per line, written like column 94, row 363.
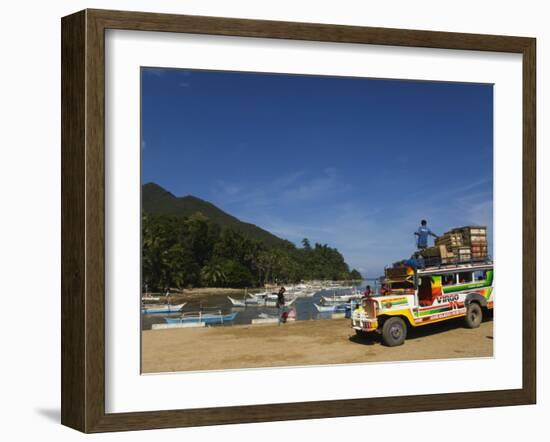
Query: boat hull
column 243, row 303
column 334, row 308
column 330, row 300
column 206, row 319
column 258, row 302
column 154, row 309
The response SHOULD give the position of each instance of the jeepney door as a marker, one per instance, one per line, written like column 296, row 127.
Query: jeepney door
column 417, row 284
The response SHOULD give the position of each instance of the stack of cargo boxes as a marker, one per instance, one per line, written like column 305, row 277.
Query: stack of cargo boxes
column 475, row 237
column 458, row 245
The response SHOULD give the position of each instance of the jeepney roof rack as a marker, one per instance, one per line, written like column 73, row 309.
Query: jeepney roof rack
column 439, row 263
column 432, row 263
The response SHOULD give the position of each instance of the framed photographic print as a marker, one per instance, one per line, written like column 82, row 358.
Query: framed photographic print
column 270, row 220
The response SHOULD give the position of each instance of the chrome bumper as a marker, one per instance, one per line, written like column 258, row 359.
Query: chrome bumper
column 365, row 324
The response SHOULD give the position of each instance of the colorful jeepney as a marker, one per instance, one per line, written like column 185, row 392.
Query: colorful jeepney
column 413, row 297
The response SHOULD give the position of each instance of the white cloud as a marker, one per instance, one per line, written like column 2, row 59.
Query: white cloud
column 227, row 188
column 299, row 186
column 317, row 187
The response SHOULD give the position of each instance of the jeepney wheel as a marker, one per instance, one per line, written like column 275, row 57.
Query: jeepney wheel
column 474, row 315
column 394, row 332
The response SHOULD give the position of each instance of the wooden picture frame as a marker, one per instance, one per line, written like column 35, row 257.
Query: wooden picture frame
column 83, row 220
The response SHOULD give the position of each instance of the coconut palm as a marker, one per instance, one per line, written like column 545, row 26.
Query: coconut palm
column 212, row 274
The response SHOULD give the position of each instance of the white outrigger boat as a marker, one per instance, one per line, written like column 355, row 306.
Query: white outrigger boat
column 339, row 299
column 258, row 302
column 150, row 309
column 302, row 290
column 273, row 302
column 301, row 293
column 147, row 297
column 201, row 317
column 245, row 302
column 336, row 307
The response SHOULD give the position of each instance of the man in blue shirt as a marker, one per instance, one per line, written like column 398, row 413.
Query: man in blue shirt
column 423, row 233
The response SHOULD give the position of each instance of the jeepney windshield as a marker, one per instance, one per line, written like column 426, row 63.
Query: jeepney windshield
column 400, row 284
column 396, row 285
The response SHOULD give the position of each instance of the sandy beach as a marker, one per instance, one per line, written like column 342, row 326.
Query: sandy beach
column 330, row 341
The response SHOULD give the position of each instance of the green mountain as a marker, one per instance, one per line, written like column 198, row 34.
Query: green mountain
column 158, row 201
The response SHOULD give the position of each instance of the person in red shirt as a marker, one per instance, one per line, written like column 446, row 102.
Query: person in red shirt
column 367, row 292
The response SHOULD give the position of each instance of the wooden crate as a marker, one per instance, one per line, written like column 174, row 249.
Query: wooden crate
column 449, row 239
column 481, row 231
column 449, row 259
column 472, row 234
column 478, row 239
column 479, row 248
column 447, row 256
column 463, row 253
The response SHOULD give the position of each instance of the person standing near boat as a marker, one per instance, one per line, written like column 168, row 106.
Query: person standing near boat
column 281, row 297
column 367, row 292
column 281, row 303
column 423, row 233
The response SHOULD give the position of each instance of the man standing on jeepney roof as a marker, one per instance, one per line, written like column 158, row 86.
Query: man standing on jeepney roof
column 423, row 232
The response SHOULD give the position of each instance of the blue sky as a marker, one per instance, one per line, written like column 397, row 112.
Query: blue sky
column 352, row 162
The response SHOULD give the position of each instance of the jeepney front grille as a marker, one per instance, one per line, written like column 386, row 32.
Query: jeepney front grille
column 370, row 308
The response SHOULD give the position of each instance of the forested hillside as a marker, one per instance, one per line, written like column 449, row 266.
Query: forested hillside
column 199, row 245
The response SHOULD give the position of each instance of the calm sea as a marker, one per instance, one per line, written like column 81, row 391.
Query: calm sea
column 304, row 308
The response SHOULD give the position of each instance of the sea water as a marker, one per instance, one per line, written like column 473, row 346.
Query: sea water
column 304, row 308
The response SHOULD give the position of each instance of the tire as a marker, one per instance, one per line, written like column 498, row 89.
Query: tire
column 394, row 332
column 474, row 315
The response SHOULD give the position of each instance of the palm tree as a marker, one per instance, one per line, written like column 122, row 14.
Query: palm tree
column 212, row 274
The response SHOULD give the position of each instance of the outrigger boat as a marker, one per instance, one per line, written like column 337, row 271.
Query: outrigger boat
column 200, row 317
column 147, row 296
column 339, row 299
column 263, row 295
column 273, row 302
column 335, row 307
column 258, row 302
column 245, row 302
column 161, row 308
column 301, row 293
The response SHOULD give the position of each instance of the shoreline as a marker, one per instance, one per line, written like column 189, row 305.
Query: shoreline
column 200, row 292
column 177, row 295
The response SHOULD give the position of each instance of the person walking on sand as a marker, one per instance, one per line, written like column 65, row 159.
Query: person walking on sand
column 423, row 232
